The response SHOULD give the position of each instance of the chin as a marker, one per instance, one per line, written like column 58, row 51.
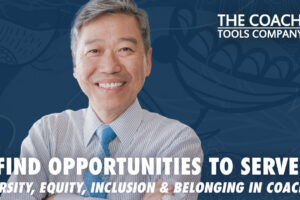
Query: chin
column 110, row 105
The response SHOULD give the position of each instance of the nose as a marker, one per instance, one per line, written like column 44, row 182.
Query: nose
column 109, row 63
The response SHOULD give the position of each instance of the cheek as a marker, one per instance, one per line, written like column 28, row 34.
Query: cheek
column 137, row 68
column 138, row 75
column 84, row 70
column 84, row 74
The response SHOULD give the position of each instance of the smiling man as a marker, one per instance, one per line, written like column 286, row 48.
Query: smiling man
column 111, row 63
column 112, row 57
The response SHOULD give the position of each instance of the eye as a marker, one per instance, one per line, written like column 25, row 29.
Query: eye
column 94, row 51
column 126, row 49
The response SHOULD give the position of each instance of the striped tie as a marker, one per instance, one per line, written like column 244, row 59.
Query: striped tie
column 105, row 135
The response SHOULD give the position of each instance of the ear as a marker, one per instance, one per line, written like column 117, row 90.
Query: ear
column 74, row 73
column 74, row 67
column 149, row 62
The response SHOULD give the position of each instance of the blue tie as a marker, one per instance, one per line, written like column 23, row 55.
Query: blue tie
column 105, row 135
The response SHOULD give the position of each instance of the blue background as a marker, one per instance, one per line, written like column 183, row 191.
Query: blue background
column 240, row 96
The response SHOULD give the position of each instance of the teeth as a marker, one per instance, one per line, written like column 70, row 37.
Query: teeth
column 110, row 85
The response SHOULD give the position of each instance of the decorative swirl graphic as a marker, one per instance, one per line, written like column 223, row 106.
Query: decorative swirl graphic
column 221, row 76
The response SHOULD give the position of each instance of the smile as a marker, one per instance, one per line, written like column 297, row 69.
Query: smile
column 111, row 85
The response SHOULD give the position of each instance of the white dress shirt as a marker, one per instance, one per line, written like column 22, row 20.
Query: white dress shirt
column 140, row 133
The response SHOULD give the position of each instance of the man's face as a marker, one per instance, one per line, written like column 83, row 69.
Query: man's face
column 110, row 62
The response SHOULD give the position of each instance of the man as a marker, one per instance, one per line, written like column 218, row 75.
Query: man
column 111, row 51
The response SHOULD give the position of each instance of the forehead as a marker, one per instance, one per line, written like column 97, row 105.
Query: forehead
column 110, row 26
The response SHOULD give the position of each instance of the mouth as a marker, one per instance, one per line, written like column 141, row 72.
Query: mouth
column 111, row 86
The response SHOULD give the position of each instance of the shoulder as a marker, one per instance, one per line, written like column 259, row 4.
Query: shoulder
column 64, row 115
column 170, row 138
column 167, row 129
column 52, row 123
column 158, row 121
column 67, row 116
column 54, row 127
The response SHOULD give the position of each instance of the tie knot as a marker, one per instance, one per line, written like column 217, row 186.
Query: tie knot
column 105, row 134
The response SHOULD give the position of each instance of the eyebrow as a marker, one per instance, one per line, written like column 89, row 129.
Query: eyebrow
column 93, row 41
column 129, row 39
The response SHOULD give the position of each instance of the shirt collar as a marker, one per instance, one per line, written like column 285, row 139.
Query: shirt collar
column 125, row 126
column 90, row 126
